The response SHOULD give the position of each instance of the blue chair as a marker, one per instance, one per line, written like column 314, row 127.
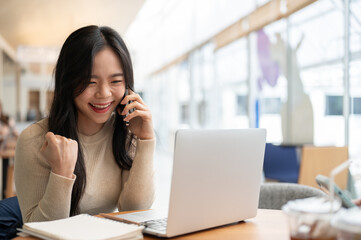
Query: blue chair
column 281, row 163
column 10, row 218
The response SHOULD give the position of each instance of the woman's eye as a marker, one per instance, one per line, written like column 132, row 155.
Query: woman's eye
column 91, row 83
column 116, row 81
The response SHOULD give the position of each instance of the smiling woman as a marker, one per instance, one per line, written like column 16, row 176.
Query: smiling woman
column 104, row 92
column 83, row 158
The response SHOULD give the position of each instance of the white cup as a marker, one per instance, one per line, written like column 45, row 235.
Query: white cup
column 347, row 223
column 310, row 218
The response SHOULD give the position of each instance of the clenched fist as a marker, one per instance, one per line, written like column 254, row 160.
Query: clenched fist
column 61, row 154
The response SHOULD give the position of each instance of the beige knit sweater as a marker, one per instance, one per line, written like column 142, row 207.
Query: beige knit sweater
column 44, row 195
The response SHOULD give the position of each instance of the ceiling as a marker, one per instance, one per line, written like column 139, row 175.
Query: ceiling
column 47, row 23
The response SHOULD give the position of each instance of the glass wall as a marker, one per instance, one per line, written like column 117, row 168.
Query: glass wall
column 271, row 65
column 355, row 76
column 232, row 76
column 320, row 55
column 287, row 77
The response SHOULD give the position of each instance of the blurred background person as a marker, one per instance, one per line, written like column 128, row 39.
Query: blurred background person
column 8, row 137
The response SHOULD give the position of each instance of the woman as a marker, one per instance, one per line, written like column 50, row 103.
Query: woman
column 83, row 158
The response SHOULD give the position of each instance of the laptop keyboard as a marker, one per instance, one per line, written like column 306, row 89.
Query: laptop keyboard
column 157, row 224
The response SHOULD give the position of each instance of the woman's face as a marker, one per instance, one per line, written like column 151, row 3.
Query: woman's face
column 104, row 92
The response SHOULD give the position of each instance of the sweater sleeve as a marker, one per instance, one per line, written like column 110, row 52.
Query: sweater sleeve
column 138, row 183
column 42, row 194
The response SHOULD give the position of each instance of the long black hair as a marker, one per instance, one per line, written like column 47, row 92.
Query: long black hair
column 72, row 76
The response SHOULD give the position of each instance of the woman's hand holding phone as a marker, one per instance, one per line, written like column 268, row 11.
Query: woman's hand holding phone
column 138, row 115
column 357, row 202
column 61, row 153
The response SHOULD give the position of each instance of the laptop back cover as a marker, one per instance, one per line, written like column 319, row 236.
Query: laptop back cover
column 216, row 178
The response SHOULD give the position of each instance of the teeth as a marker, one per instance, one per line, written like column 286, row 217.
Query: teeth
column 101, row 106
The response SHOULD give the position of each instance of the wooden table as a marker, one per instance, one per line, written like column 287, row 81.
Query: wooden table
column 268, row 225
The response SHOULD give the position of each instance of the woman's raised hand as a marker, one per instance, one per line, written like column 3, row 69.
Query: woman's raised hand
column 61, row 154
column 140, row 119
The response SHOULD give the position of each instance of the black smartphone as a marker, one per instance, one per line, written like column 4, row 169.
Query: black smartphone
column 130, row 111
column 125, row 94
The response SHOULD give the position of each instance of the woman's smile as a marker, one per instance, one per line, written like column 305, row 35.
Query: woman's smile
column 101, row 107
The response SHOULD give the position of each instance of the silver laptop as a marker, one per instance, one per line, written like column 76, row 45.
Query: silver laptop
column 216, row 181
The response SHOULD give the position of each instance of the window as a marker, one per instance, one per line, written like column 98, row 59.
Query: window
column 334, row 105
column 242, row 105
column 356, row 104
column 270, row 105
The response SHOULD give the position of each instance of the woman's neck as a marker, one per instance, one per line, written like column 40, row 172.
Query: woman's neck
column 89, row 128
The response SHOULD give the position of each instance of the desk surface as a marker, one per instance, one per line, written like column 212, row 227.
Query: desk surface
column 269, row 224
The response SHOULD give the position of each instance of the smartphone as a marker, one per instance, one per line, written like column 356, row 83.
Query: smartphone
column 125, row 94
column 324, row 181
column 131, row 110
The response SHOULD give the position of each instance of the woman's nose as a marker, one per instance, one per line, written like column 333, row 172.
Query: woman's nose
column 103, row 91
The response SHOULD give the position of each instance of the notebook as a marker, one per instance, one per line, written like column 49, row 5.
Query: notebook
column 83, row 226
column 215, row 181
